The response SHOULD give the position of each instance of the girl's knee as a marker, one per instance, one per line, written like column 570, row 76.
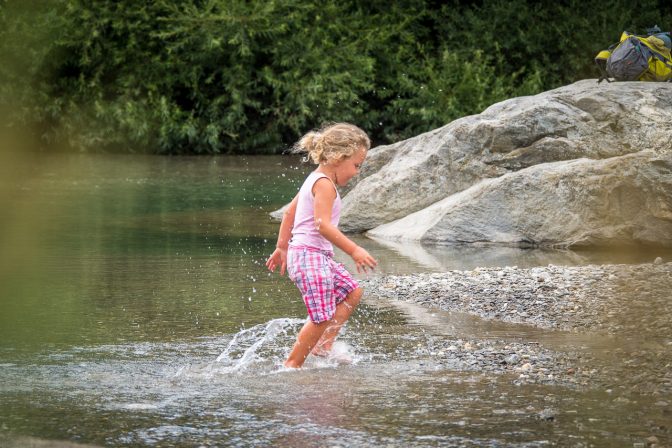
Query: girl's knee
column 354, row 297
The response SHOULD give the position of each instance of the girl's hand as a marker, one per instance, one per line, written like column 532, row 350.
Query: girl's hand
column 277, row 258
column 363, row 259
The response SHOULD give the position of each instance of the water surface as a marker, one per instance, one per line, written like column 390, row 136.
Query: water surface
column 136, row 310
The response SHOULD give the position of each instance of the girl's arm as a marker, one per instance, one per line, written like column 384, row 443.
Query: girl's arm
column 279, row 255
column 325, row 194
column 287, row 224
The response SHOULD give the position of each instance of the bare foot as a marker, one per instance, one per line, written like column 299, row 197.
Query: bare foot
column 291, row 365
column 321, row 353
column 340, row 358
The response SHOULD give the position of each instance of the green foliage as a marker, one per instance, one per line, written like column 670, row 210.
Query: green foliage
column 237, row 76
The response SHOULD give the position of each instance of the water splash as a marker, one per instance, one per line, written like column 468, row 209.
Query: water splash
column 341, row 353
column 262, row 350
column 264, row 345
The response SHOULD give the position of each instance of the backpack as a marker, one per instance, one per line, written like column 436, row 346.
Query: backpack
column 636, row 58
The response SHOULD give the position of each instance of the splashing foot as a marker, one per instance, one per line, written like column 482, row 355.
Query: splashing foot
column 339, row 352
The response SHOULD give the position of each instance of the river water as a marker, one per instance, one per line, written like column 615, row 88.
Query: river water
column 137, row 311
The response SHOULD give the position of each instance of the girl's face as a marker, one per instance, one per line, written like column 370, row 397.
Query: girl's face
column 347, row 168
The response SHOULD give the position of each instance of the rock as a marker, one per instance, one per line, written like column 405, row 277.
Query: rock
column 548, row 414
column 618, row 201
column 277, row 214
column 658, row 260
column 512, row 359
column 581, row 120
column 652, row 440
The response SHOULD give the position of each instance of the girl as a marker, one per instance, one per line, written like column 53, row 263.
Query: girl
column 311, row 219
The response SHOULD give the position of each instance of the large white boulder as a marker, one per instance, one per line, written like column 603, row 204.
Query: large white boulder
column 581, row 120
column 617, row 201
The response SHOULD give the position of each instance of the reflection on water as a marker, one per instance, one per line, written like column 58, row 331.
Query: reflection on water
column 105, row 249
column 136, row 310
column 464, row 257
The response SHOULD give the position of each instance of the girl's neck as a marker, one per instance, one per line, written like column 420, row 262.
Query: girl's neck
column 328, row 171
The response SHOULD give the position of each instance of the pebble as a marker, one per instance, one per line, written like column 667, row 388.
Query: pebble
column 548, row 414
column 512, row 359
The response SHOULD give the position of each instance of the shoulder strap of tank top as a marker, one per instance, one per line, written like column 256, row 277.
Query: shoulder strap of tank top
column 321, row 175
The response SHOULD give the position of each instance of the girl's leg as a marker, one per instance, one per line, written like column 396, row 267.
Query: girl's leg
column 324, row 332
column 305, row 341
column 343, row 312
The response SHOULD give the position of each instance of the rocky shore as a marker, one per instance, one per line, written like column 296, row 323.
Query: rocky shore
column 605, row 326
column 606, row 298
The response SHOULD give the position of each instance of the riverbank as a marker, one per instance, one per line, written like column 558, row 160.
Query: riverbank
column 605, row 326
column 574, row 298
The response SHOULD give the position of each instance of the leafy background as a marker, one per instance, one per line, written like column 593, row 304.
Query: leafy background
column 236, row 76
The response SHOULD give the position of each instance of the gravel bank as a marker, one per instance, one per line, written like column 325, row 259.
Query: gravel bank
column 628, row 308
column 606, row 298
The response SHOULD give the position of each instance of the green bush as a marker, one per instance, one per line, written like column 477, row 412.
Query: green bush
column 236, row 76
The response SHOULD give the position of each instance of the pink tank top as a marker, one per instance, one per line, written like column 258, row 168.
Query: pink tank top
column 304, row 232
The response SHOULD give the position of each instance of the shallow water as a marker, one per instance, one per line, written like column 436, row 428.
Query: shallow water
column 136, row 310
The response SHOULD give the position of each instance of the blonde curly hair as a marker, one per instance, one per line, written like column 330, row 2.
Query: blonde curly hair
column 333, row 142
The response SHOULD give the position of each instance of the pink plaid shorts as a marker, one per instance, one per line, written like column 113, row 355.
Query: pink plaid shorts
column 323, row 282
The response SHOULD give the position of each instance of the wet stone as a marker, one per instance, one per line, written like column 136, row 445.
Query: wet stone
column 512, row 359
column 652, row 440
column 547, row 414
